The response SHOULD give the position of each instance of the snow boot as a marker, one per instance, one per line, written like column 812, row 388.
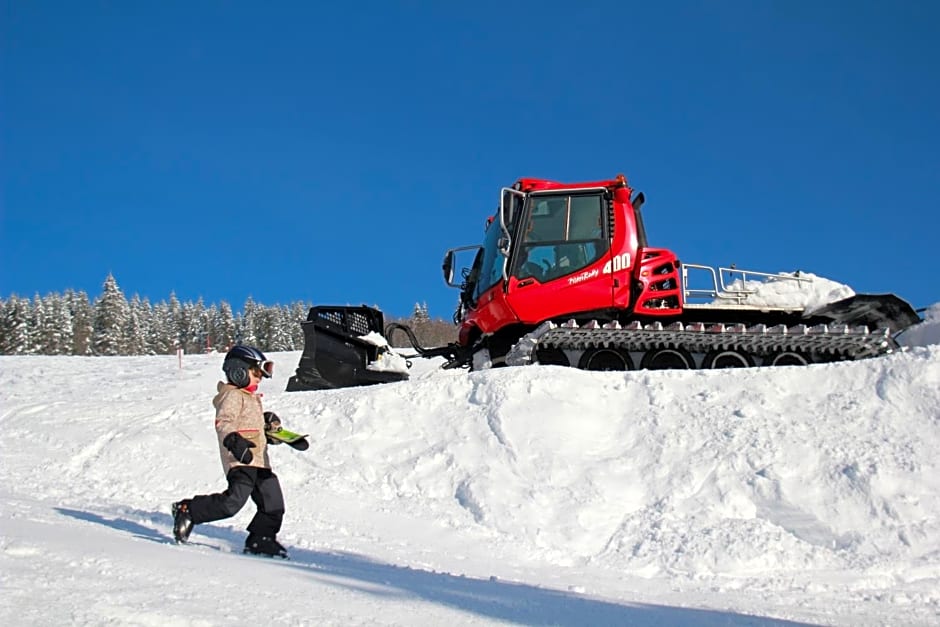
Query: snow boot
column 182, row 521
column 264, row 545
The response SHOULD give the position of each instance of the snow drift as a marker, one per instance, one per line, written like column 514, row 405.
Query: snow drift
column 537, row 495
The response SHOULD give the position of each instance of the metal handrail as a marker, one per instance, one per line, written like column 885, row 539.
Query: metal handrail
column 722, row 291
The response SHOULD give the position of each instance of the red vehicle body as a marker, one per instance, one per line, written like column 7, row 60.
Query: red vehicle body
column 565, row 276
column 589, row 245
column 578, row 252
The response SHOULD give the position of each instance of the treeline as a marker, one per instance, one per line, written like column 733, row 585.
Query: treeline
column 73, row 324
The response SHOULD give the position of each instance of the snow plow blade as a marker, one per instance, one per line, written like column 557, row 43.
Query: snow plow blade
column 877, row 311
column 335, row 355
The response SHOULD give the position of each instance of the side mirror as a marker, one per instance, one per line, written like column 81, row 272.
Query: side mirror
column 452, row 258
column 448, row 267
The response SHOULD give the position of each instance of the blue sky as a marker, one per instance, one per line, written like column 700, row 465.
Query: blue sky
column 331, row 154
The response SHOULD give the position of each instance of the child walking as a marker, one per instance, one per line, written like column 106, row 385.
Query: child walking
column 240, row 424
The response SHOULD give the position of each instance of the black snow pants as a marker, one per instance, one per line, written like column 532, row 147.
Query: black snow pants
column 260, row 484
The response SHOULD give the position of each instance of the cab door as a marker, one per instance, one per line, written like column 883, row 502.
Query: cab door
column 561, row 248
column 491, row 310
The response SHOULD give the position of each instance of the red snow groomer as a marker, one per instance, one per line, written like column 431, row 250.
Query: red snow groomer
column 565, row 276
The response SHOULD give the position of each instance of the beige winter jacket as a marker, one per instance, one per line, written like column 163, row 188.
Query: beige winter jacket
column 240, row 410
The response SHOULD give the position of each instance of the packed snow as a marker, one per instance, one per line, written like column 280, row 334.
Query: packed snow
column 792, row 289
column 534, row 495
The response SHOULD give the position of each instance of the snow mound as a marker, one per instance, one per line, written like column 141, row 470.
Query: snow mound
column 529, row 495
column 925, row 333
column 803, row 290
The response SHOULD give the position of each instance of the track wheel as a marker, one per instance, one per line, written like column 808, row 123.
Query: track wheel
column 788, row 358
column 667, row 359
column 551, row 357
column 727, row 359
column 605, row 359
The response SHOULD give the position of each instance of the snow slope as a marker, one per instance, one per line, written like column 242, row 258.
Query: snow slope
column 535, row 495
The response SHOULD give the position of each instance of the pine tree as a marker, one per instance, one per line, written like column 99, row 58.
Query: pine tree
column 279, row 338
column 420, row 314
column 199, row 327
column 246, row 331
column 298, row 315
column 187, row 326
column 83, row 317
column 4, row 330
column 174, row 322
column 264, row 327
column 420, row 320
column 194, row 325
column 162, row 338
column 223, row 327
column 135, row 333
column 36, row 322
column 57, row 326
column 15, row 327
column 145, row 318
column 111, row 318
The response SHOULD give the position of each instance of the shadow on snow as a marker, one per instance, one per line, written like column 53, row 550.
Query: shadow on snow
column 500, row 600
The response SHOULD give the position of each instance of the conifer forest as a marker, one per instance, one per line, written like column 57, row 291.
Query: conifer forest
column 71, row 323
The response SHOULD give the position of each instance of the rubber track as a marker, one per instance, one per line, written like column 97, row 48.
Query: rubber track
column 841, row 341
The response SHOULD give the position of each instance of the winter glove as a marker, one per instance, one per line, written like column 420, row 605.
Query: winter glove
column 272, row 423
column 239, row 447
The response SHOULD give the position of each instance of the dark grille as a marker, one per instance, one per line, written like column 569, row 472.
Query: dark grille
column 353, row 321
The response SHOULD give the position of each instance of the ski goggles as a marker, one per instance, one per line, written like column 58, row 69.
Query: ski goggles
column 266, row 368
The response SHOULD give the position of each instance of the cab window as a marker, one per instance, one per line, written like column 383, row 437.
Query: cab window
column 563, row 234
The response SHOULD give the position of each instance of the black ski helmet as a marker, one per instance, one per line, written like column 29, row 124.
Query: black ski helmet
column 240, row 360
